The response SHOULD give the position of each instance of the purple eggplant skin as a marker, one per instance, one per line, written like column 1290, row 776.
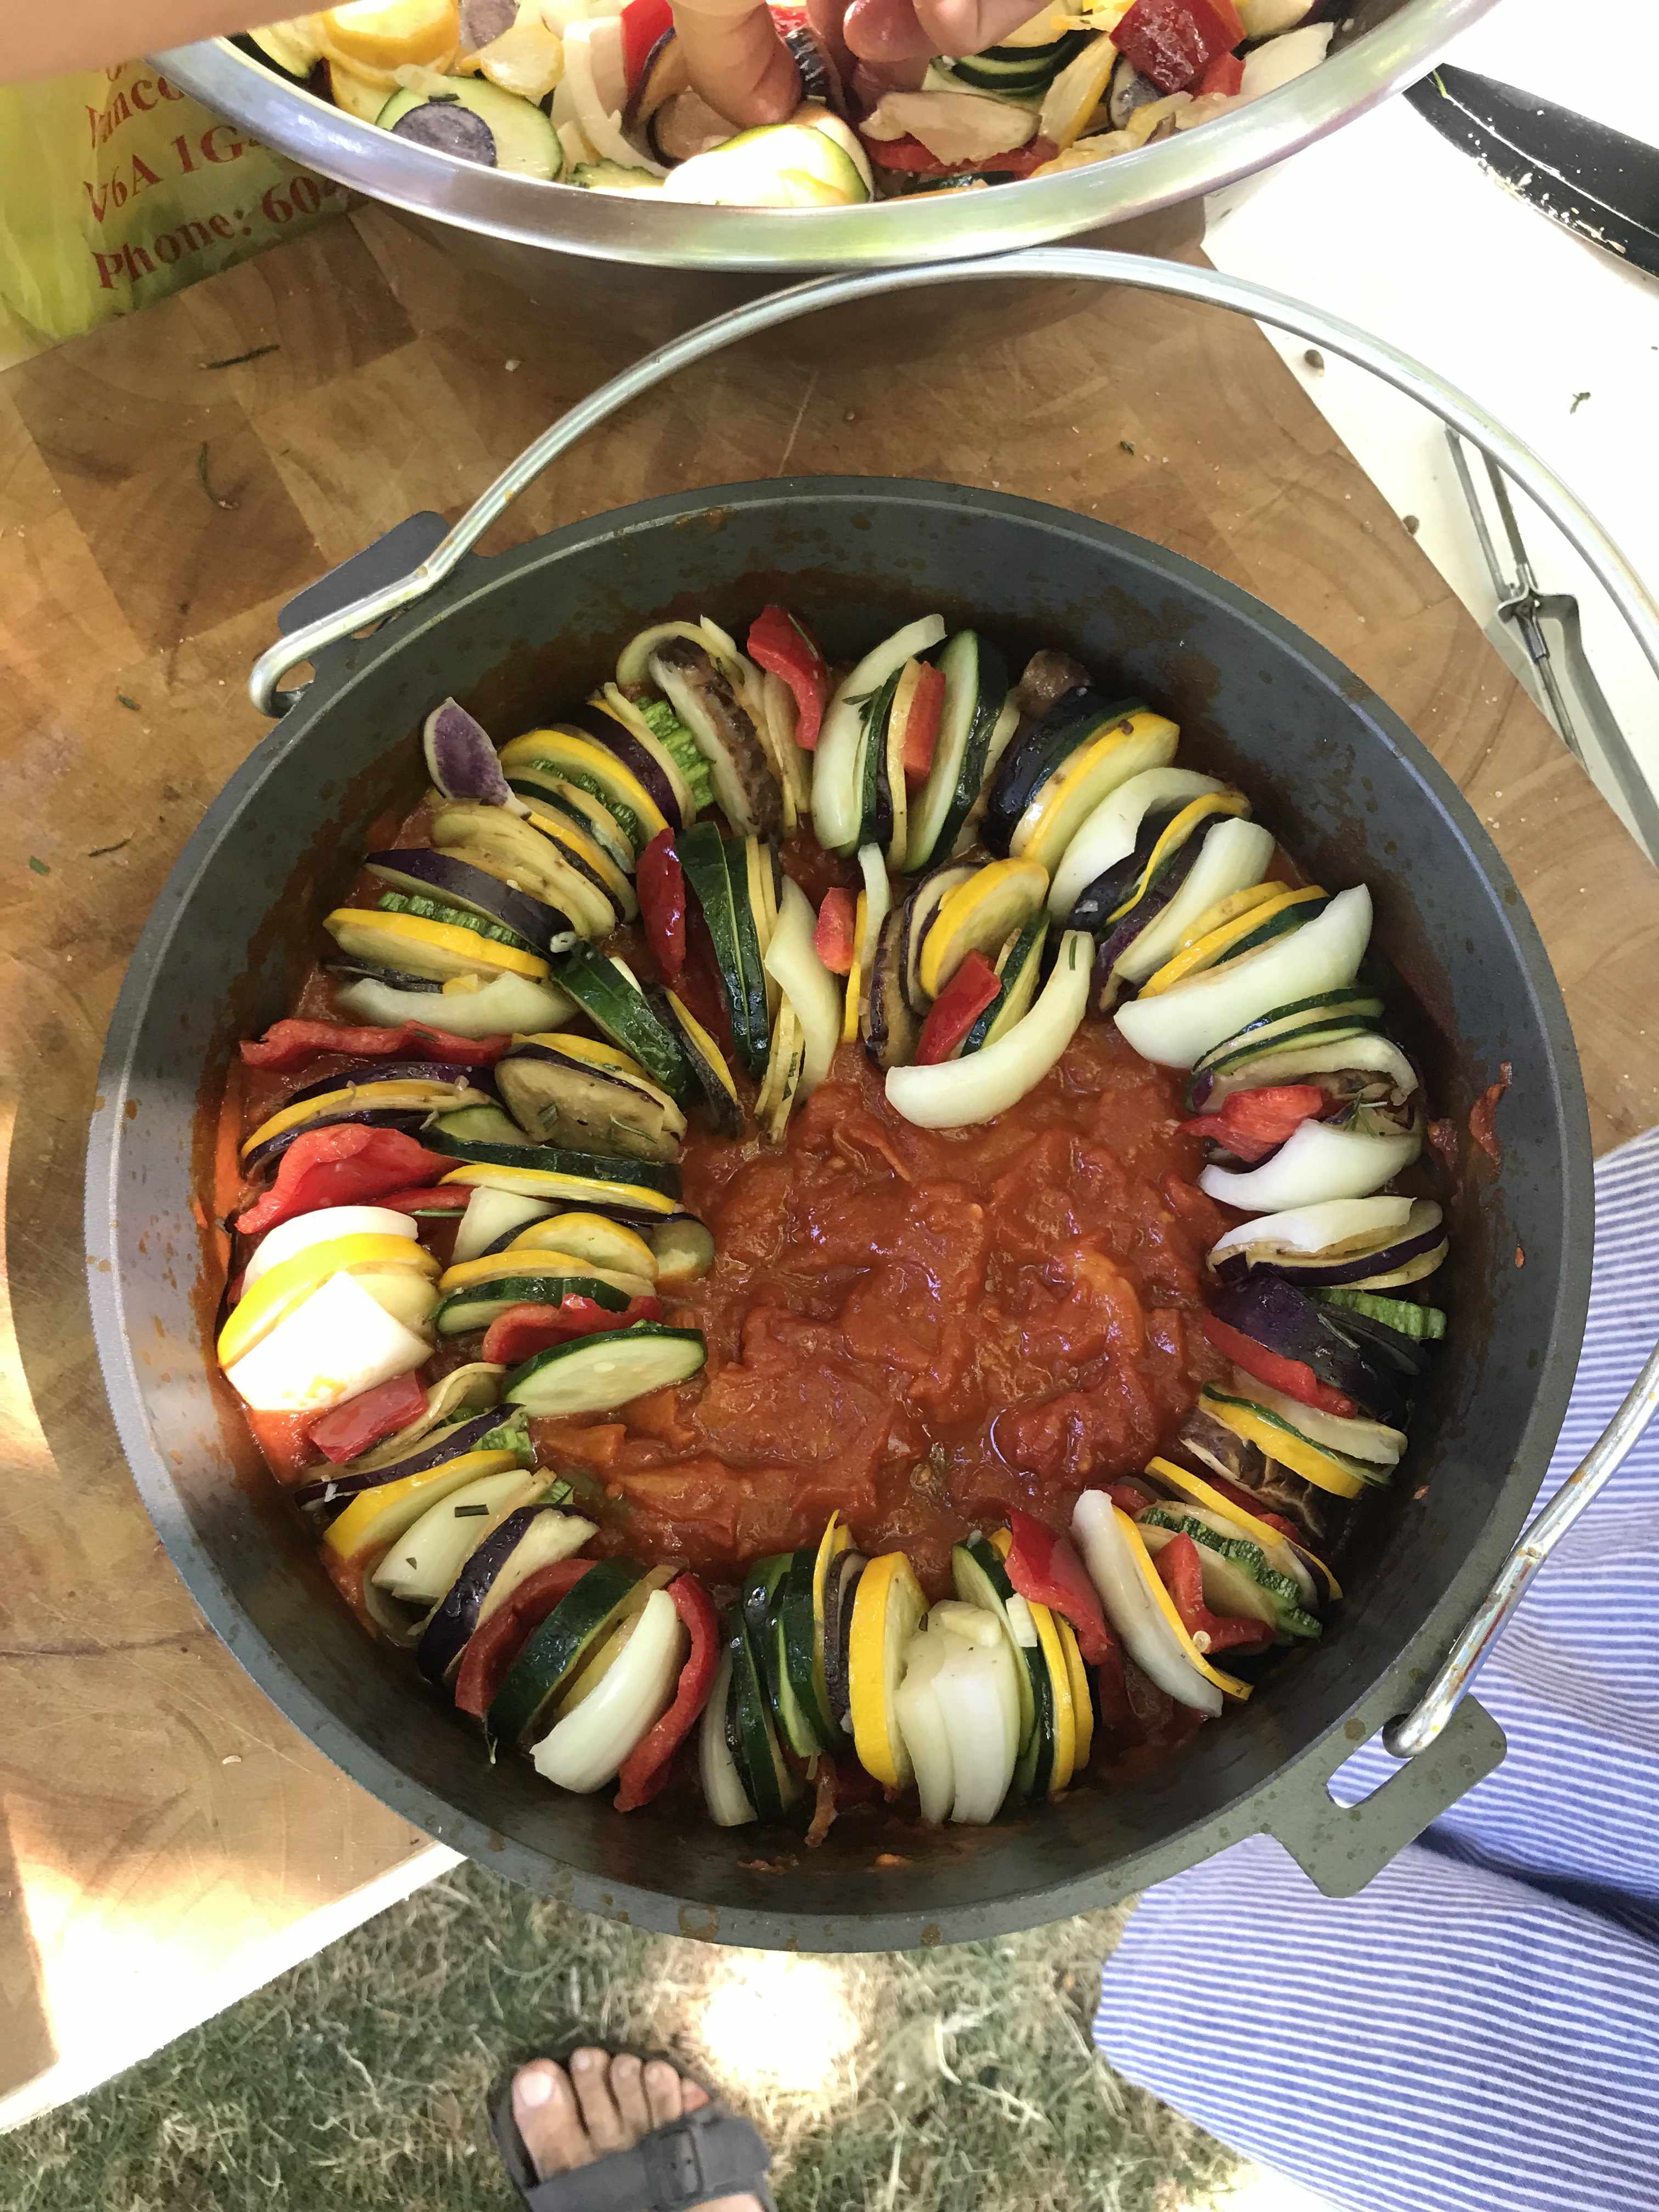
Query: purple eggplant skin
column 452, row 1622
column 1286, row 1321
column 1318, row 1273
column 664, row 75
column 356, row 971
column 459, row 758
column 483, row 21
column 639, row 760
column 448, row 128
column 1112, row 947
column 463, row 1438
column 440, row 875
column 410, row 1120
column 395, row 1071
column 842, row 1588
column 1028, row 758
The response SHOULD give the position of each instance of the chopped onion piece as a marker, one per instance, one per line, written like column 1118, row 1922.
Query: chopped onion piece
column 792, row 961
column 586, row 1749
column 1315, row 1164
column 335, row 1346
column 1316, row 1228
column 954, row 1092
column 722, row 1785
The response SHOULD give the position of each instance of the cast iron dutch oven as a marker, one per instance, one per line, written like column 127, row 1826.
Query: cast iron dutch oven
column 1346, row 787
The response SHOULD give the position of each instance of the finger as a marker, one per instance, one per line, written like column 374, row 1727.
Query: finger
column 968, row 27
column 737, row 60
column 827, row 20
column 887, row 31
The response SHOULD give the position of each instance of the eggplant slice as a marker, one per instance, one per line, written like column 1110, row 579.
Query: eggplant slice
column 890, row 1026
column 563, row 1101
column 725, row 735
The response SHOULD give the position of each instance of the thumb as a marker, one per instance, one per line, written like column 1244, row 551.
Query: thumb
column 737, row 61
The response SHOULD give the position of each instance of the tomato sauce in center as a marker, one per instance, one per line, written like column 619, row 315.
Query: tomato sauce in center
column 919, row 1328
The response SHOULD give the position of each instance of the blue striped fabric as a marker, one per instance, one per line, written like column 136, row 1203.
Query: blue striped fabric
column 1479, row 2028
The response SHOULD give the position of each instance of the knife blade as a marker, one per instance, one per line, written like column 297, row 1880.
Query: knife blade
column 1596, row 182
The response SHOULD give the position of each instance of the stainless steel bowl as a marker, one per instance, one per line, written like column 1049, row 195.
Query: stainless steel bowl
column 580, row 250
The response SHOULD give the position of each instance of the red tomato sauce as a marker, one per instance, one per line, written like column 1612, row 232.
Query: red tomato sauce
column 919, row 1328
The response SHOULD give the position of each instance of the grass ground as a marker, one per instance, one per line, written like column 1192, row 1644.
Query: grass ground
column 960, row 2079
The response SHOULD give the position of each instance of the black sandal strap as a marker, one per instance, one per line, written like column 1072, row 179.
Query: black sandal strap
column 707, row 2153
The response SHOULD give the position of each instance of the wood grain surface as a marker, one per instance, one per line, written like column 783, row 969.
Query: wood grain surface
column 168, row 1831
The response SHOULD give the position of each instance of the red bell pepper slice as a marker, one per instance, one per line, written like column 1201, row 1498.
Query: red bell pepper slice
column 957, row 1008
column 1173, row 42
column 1224, row 75
column 341, row 1434
column 837, row 931
column 660, row 882
column 344, row 1165
column 492, row 1649
column 784, row 647
column 643, row 23
column 438, row 1198
column 1252, row 1123
column 1181, row 1573
column 645, row 1769
column 1294, row 1377
column 910, row 154
column 921, row 728
column 1130, row 1497
column 1046, row 1571
column 523, row 1331
column 288, row 1045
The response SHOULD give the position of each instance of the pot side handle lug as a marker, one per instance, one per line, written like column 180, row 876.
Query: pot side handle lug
column 392, row 556
column 1341, row 1847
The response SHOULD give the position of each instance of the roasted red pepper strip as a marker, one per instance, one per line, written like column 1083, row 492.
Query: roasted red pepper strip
column 1225, row 75
column 492, row 1649
column 660, row 881
column 837, row 927
column 441, row 1198
column 1252, row 1123
column 910, row 154
column 288, row 1045
column 1132, row 1497
column 921, row 728
column 1173, row 42
column 1181, row 1573
column 522, row 1331
column 345, row 1164
column 1294, row 1377
column 646, row 1768
column 957, row 1008
column 784, row 648
column 349, row 1429
column 1046, row 1571
column 643, row 23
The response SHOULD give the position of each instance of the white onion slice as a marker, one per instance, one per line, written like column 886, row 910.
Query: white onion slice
column 958, row 1708
column 836, row 802
column 1372, row 1055
column 585, row 1748
column 878, row 904
column 954, row 1092
column 600, row 125
column 722, row 1785
column 426, row 1557
column 492, row 1215
column 1280, row 60
column 1107, row 834
column 335, row 1345
column 1316, row 1228
column 792, row 961
column 1132, row 1611
column 1180, row 1024
column 922, row 1725
column 288, row 1237
column 1374, row 1442
column 1317, row 1163
column 550, row 1538
column 510, row 1005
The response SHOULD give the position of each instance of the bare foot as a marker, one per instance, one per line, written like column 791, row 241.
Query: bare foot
column 603, row 2104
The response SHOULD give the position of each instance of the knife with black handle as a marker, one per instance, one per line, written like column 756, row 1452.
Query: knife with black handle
column 1594, row 182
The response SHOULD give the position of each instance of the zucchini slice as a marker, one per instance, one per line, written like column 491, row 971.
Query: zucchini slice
column 610, row 996
column 1098, row 765
column 1347, row 1008
column 837, row 796
column 592, row 1609
column 453, row 882
column 997, row 899
column 1231, row 924
column 509, row 846
column 1039, row 747
column 569, row 802
column 722, row 891
column 414, row 946
column 578, row 1179
column 685, row 1252
column 563, row 1098
column 698, row 690
column 545, row 1259
column 1237, row 1577
column 472, row 1308
column 755, row 921
column 477, row 121
column 723, row 1790
column 975, row 692
column 543, row 758
column 769, row 1781
column 875, row 793
column 622, row 728
column 1019, row 969
column 598, row 1374
column 888, row 1608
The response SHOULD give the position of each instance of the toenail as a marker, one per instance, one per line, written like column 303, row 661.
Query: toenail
column 588, row 2060
column 534, row 2089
